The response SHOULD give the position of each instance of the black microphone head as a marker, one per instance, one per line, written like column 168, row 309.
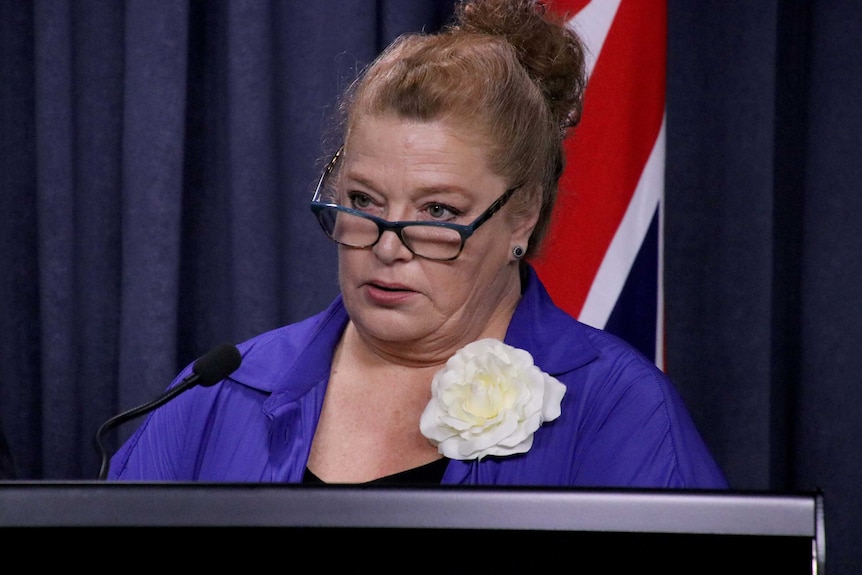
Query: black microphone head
column 217, row 364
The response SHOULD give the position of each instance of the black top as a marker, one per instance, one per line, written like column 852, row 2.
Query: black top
column 424, row 474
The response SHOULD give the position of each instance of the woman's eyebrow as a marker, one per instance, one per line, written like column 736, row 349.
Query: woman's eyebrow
column 418, row 192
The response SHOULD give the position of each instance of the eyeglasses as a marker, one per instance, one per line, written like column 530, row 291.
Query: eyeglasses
column 440, row 241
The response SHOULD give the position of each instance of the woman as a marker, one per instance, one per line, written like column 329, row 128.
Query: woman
column 443, row 360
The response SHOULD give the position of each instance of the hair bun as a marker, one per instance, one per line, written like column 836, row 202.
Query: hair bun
column 552, row 54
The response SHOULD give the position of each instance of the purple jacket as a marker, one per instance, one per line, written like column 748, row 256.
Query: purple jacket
column 622, row 424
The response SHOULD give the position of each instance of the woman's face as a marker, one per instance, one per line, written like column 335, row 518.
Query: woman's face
column 408, row 170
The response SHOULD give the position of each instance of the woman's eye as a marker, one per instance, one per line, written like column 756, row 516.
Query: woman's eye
column 442, row 212
column 359, row 200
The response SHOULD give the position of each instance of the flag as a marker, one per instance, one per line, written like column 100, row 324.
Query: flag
column 603, row 256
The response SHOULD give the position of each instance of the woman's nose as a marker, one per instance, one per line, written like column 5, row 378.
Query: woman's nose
column 390, row 248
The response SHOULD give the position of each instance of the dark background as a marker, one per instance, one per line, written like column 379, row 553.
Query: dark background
column 157, row 157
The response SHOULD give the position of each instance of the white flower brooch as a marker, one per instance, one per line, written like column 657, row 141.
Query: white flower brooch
column 489, row 399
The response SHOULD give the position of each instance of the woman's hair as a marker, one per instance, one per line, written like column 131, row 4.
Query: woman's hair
column 508, row 69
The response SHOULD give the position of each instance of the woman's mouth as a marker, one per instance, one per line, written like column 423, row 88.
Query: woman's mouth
column 387, row 294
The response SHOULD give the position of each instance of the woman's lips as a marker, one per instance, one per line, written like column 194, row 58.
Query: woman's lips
column 387, row 294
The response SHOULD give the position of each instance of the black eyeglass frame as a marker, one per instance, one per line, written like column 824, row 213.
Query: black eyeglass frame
column 464, row 230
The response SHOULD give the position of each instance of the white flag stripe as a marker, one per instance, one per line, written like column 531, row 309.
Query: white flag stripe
column 628, row 239
column 592, row 24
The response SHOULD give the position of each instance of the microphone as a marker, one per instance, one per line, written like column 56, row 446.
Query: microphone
column 209, row 369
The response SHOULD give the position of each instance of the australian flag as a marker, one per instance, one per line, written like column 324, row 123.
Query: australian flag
column 603, row 258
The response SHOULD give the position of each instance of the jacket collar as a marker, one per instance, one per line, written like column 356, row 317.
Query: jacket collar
column 557, row 341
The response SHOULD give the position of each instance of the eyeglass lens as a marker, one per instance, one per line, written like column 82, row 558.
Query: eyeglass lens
column 359, row 231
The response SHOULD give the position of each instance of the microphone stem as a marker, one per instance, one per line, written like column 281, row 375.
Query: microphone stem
column 121, row 418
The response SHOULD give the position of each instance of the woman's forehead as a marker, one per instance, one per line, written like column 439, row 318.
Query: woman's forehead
column 380, row 144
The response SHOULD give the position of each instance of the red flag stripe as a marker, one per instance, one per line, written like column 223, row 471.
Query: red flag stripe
column 628, row 242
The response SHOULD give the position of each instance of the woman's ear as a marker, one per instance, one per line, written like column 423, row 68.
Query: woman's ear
column 524, row 224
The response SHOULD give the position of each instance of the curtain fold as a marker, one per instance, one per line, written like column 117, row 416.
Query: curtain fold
column 153, row 87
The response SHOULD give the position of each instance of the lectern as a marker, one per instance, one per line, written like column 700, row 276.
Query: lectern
column 445, row 529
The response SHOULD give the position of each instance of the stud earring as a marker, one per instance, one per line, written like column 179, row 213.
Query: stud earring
column 518, row 252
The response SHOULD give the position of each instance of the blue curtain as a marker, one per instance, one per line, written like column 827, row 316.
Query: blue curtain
column 157, row 158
